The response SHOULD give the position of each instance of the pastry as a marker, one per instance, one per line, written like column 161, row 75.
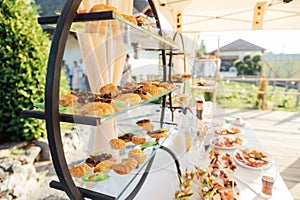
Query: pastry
column 166, row 85
column 103, row 7
column 109, row 90
column 117, row 144
column 78, row 171
column 130, row 98
column 138, row 140
column 151, row 89
column 138, row 155
column 67, row 99
column 146, row 124
column 157, row 134
column 97, row 109
column 93, row 160
column 127, row 137
column 104, row 166
column 130, row 18
column 126, row 166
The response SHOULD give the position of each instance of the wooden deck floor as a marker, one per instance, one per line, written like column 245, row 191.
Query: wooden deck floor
column 279, row 133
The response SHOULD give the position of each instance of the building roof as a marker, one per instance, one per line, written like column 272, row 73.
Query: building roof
column 240, row 45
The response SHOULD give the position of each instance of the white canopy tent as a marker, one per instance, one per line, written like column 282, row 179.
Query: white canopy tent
column 194, row 16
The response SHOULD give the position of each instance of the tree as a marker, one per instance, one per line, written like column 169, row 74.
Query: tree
column 251, row 66
column 202, row 50
column 23, row 56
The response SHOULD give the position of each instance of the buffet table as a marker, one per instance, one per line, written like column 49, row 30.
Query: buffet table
column 162, row 181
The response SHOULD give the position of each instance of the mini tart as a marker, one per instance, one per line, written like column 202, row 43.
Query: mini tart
column 126, row 166
column 104, row 166
column 117, row 144
column 157, row 134
column 97, row 109
column 138, row 155
column 138, row 140
column 78, row 171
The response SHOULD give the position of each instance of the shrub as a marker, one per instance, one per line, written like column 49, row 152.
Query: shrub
column 23, row 53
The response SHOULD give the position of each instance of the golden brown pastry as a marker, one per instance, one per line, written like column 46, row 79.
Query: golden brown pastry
column 130, row 98
column 126, row 166
column 104, row 166
column 78, row 171
column 130, row 85
column 138, row 140
column 67, row 99
column 117, row 143
column 109, row 89
column 130, row 18
column 146, row 124
column 166, row 85
column 97, row 109
column 151, row 89
column 157, row 134
column 138, row 155
column 103, row 7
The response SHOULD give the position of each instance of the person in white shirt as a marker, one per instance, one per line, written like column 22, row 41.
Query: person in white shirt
column 82, row 75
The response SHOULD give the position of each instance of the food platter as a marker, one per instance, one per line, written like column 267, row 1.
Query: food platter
column 229, row 130
column 228, row 142
column 253, row 158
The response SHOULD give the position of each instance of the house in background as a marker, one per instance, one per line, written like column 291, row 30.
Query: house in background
column 234, row 51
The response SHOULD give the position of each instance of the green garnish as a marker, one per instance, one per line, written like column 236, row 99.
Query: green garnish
column 95, row 177
column 148, row 144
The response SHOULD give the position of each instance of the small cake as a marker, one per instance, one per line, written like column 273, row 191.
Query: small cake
column 138, row 140
column 117, row 144
column 151, row 89
column 126, row 166
column 104, row 166
column 138, row 155
column 146, row 124
column 78, row 171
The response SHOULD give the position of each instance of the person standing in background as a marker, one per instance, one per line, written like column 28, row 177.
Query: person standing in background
column 126, row 77
column 82, row 75
column 66, row 69
column 75, row 76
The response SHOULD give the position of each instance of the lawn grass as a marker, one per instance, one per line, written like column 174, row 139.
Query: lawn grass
column 240, row 95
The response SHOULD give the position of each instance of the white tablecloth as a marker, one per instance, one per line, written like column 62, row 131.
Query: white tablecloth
column 162, row 180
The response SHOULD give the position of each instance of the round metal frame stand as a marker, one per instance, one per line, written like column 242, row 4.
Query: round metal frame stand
column 66, row 182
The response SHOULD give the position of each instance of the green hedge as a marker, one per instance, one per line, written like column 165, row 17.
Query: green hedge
column 23, row 58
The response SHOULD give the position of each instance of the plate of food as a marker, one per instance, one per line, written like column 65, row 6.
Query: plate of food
column 253, row 158
column 228, row 142
column 229, row 130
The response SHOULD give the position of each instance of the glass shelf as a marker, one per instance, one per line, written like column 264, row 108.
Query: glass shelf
column 87, row 120
column 116, row 24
